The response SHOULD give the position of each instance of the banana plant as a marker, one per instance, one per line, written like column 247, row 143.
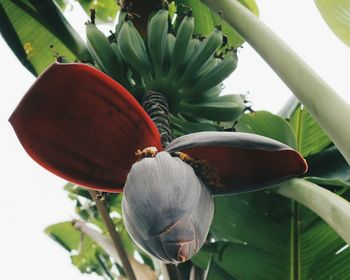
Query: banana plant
column 226, row 156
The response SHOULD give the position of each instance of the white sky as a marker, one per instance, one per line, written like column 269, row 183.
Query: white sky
column 32, row 198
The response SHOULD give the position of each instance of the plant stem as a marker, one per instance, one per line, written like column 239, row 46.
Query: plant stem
column 327, row 108
column 114, row 235
column 331, row 207
column 157, row 107
column 173, row 272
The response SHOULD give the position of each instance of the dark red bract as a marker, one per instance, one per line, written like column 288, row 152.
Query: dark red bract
column 83, row 126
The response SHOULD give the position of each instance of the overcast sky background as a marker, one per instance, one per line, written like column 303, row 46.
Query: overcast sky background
column 32, row 198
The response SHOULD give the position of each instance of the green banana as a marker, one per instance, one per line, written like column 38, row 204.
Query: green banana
column 208, row 48
column 134, row 83
column 217, row 109
column 157, row 31
column 206, row 95
column 126, row 80
column 216, row 75
column 169, row 50
column 133, row 50
column 103, row 54
column 192, row 48
column 191, row 127
column 121, row 19
column 118, row 55
column 183, row 39
column 208, row 67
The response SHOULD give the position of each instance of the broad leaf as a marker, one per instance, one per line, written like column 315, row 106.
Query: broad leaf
column 51, row 17
column 85, row 253
column 289, row 107
column 266, row 124
column 336, row 15
column 279, row 238
column 310, row 137
column 142, row 271
column 267, row 237
column 14, row 42
column 206, row 19
column 329, row 168
column 65, row 234
column 37, row 33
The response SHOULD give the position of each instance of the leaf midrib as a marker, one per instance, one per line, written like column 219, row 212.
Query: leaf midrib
column 295, row 220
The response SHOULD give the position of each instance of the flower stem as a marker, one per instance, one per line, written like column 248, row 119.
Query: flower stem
column 157, row 107
column 323, row 103
column 114, row 235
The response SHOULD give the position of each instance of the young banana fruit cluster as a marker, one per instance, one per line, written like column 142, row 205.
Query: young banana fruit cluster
column 186, row 68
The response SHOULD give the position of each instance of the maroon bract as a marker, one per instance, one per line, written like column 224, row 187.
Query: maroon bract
column 243, row 161
column 83, row 126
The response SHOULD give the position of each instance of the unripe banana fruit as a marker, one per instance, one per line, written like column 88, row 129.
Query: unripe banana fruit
column 187, row 68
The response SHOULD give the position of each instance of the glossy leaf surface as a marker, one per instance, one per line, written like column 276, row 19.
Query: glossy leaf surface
column 264, row 231
column 310, row 136
column 30, row 33
column 329, row 168
column 83, row 126
column 288, row 240
column 243, row 161
column 269, row 125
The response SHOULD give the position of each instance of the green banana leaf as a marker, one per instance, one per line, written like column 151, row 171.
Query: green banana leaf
column 262, row 235
column 31, row 28
column 266, row 236
column 206, row 19
column 329, row 168
column 336, row 15
column 267, row 124
column 85, row 254
column 311, row 138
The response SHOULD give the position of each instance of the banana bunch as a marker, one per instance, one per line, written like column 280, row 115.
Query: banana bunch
column 188, row 69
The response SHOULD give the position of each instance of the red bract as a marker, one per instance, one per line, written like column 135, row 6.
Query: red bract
column 84, row 127
column 243, row 161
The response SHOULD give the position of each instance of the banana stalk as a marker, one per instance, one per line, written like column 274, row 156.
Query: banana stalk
column 337, row 214
column 325, row 105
